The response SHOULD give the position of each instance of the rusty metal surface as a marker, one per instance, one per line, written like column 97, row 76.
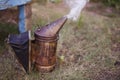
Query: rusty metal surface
column 46, row 55
column 51, row 29
column 45, row 45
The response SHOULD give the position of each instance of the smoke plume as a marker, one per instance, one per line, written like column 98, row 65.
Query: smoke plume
column 76, row 7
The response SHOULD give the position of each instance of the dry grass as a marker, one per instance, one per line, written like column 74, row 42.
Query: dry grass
column 85, row 48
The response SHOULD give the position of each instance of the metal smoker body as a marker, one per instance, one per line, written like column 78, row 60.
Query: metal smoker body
column 44, row 54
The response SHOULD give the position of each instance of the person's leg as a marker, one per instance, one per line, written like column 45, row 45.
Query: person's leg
column 24, row 18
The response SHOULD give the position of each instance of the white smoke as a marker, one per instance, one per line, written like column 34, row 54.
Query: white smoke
column 76, row 7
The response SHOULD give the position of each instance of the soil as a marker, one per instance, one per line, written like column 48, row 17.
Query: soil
column 103, row 10
column 9, row 15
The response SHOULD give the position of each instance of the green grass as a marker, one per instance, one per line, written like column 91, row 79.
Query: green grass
column 5, row 30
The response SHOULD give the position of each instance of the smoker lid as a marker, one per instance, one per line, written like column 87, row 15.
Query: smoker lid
column 47, row 39
column 51, row 29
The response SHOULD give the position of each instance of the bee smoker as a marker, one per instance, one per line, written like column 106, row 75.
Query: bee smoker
column 45, row 45
column 40, row 52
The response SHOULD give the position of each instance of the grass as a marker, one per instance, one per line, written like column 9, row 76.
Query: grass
column 85, row 46
column 5, row 30
column 7, row 69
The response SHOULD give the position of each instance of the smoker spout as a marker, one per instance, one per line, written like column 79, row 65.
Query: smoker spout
column 51, row 29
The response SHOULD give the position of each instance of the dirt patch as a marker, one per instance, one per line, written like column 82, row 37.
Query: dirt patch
column 9, row 16
column 106, row 75
column 101, row 9
column 116, row 39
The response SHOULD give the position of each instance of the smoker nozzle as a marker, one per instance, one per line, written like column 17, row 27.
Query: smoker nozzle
column 51, row 29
